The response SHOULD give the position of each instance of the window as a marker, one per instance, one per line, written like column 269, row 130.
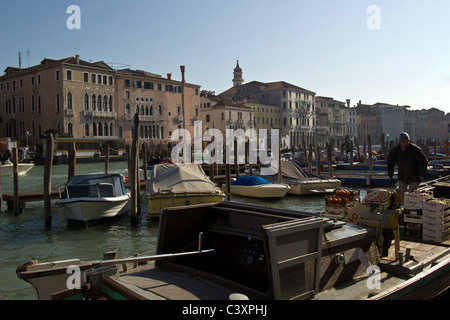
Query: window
column 111, row 80
column 127, row 83
column 94, row 102
column 70, row 129
column 99, row 79
column 69, row 100
column 159, row 87
column 128, row 109
column 86, row 101
column 32, row 103
column 39, row 107
column 86, row 130
column 105, row 80
column 148, row 85
column 137, row 84
column 208, row 118
column 69, row 75
column 93, row 76
column 56, row 75
column 105, row 103
column 127, row 94
column 57, row 103
column 86, row 77
column 99, row 103
column 110, row 102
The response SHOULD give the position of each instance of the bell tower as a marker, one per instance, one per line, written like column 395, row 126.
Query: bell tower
column 237, row 80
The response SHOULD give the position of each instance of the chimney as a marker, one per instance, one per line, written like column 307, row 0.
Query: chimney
column 182, row 68
column 169, row 76
column 78, row 58
column 348, row 103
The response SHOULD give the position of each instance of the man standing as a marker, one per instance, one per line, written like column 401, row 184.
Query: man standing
column 411, row 162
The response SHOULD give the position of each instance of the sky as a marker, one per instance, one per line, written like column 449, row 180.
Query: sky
column 393, row 51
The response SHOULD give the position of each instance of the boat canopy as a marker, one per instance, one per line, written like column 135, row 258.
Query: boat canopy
column 94, row 186
column 249, row 181
column 179, row 178
column 291, row 170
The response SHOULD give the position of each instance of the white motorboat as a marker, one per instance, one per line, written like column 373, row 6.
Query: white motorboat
column 22, row 168
column 92, row 197
column 257, row 187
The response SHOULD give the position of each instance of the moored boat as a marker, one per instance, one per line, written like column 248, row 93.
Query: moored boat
column 300, row 181
column 257, row 187
column 89, row 198
column 22, row 168
column 173, row 185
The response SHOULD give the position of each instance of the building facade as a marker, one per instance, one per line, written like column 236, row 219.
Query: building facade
column 297, row 106
column 70, row 96
column 162, row 104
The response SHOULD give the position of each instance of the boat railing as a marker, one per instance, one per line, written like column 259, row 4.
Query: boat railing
column 85, row 191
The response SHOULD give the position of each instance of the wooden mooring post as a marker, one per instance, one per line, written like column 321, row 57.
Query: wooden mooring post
column 17, row 210
column 48, row 179
column 72, row 160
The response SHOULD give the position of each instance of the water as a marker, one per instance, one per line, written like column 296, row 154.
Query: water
column 25, row 237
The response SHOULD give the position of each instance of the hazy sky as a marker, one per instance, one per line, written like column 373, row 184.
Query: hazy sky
column 393, row 51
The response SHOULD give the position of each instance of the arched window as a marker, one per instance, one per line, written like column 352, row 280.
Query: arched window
column 151, row 110
column 111, row 131
column 86, row 101
column 100, row 130
column 94, row 129
column 94, row 102
column 106, row 133
column 86, row 130
column 120, row 132
column 105, row 103
column 128, row 109
column 99, row 103
column 111, row 107
column 146, row 111
column 70, row 128
column 160, row 110
column 142, row 110
column 69, row 100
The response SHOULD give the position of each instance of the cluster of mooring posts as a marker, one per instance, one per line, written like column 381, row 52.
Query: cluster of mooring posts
column 16, row 201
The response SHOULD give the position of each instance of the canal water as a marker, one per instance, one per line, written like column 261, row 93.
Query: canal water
column 25, row 237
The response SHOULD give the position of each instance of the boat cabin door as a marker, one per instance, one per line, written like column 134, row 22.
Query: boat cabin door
column 294, row 251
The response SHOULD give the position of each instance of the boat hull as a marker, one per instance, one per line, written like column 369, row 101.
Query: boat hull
column 89, row 209
column 23, row 168
column 272, row 190
column 158, row 202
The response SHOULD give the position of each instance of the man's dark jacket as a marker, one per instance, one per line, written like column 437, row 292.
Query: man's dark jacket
column 411, row 162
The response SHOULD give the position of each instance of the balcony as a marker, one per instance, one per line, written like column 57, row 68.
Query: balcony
column 69, row 112
column 99, row 114
column 147, row 119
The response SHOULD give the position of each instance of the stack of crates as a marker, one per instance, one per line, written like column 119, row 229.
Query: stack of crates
column 413, row 213
column 436, row 220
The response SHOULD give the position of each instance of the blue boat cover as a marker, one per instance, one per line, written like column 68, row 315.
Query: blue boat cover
column 95, row 185
column 249, row 181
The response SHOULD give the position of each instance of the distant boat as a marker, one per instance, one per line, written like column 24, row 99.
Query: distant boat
column 92, row 197
column 8, row 167
column 257, row 187
column 302, row 182
column 174, row 185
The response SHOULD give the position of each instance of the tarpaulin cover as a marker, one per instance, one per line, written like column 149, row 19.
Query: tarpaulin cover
column 180, row 178
column 291, row 170
column 249, row 181
column 93, row 186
